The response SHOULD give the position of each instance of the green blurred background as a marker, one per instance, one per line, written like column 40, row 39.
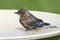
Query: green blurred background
column 39, row 5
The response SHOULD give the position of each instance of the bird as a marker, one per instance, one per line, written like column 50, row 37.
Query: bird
column 29, row 21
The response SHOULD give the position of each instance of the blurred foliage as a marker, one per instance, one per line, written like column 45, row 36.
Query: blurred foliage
column 40, row 5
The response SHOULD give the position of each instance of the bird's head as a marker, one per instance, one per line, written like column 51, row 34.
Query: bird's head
column 21, row 12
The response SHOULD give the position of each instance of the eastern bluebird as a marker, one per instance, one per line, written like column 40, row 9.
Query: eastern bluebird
column 29, row 21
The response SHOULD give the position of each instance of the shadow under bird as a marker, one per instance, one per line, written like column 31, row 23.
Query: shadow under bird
column 29, row 21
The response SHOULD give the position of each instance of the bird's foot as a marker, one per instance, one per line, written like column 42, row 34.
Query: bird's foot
column 28, row 29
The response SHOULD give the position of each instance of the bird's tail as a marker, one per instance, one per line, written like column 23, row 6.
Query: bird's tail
column 45, row 24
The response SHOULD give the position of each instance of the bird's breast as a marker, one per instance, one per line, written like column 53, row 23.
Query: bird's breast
column 29, row 20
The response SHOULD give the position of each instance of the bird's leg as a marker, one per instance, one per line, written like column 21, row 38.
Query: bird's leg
column 34, row 27
column 27, row 28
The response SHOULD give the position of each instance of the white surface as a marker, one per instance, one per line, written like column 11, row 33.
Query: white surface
column 10, row 21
